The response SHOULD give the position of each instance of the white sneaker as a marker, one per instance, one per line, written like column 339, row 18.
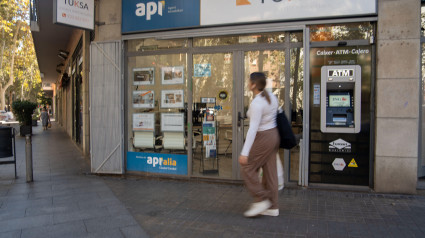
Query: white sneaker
column 257, row 208
column 271, row 212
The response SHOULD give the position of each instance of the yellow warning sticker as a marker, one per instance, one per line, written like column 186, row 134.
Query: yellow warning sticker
column 353, row 164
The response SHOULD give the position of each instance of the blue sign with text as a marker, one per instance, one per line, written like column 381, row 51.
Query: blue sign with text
column 157, row 163
column 145, row 15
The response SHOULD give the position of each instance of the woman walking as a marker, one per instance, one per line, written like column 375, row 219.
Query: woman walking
column 260, row 148
column 44, row 117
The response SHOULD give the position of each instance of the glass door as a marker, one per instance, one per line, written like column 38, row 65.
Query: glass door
column 212, row 116
column 283, row 69
column 221, row 67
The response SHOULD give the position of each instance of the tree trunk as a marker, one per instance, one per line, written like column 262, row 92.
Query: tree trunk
column 12, row 62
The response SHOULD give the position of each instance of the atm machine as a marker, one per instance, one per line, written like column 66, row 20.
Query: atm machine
column 340, row 110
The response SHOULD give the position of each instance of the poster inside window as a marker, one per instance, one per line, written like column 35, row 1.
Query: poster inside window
column 172, row 75
column 144, row 76
column 172, row 122
column 143, row 121
column 172, row 98
column 143, row 99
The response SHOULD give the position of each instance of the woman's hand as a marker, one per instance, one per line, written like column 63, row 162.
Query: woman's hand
column 243, row 160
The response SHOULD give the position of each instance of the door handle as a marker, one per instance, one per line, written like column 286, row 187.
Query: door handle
column 240, row 119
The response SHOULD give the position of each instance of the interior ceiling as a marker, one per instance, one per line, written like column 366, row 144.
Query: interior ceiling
column 48, row 41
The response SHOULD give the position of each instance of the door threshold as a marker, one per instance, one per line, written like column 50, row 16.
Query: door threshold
column 340, row 187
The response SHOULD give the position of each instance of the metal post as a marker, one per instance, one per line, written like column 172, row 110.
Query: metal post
column 28, row 157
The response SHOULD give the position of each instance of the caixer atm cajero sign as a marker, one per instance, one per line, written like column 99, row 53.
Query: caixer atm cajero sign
column 77, row 13
column 157, row 163
column 147, row 15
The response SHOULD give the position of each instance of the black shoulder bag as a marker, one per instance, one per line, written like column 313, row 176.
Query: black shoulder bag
column 287, row 137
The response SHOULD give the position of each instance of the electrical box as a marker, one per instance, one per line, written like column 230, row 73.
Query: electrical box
column 340, row 104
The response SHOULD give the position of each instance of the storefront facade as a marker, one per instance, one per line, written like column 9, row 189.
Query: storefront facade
column 168, row 94
column 185, row 90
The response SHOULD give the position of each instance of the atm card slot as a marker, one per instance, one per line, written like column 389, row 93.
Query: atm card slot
column 339, row 119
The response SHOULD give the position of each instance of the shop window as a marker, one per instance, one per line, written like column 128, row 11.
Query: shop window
column 240, row 39
column 338, row 32
column 157, row 107
column 151, row 44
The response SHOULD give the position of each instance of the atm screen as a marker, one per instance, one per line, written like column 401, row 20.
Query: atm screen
column 339, row 99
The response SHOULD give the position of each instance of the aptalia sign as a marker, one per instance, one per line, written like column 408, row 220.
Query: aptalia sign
column 77, row 13
column 145, row 15
column 157, row 163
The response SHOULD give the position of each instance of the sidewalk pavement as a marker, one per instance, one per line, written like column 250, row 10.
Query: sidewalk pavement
column 62, row 201
column 66, row 201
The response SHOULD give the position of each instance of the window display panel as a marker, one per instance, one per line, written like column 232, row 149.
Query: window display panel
column 157, row 114
column 212, row 115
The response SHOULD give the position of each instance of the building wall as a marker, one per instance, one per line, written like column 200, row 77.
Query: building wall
column 397, row 96
column 108, row 18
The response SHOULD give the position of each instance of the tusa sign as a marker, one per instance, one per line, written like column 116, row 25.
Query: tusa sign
column 157, row 163
column 77, row 4
column 76, row 13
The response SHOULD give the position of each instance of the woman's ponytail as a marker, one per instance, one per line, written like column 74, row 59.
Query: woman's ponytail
column 265, row 94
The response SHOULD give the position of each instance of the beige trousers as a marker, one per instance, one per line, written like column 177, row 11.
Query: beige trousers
column 263, row 155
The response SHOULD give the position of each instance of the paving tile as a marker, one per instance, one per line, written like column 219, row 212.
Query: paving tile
column 11, row 213
column 133, row 232
column 11, row 234
column 80, row 215
column 70, row 229
column 106, row 223
column 25, row 222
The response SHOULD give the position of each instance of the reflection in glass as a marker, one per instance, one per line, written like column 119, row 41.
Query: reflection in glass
column 297, row 36
column 296, row 96
column 423, row 104
column 151, row 44
column 212, row 115
column 240, row 39
column 423, row 20
column 335, row 32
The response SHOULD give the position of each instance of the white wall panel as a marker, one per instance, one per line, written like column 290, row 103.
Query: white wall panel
column 106, row 110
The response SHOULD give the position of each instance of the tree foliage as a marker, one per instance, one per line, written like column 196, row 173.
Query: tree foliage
column 19, row 73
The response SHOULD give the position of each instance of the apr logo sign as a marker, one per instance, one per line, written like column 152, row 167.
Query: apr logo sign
column 149, row 9
column 340, row 145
